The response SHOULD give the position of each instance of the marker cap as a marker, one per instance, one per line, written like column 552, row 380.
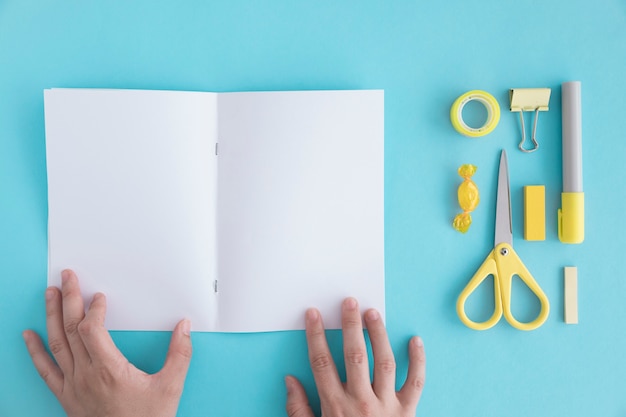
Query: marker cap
column 571, row 218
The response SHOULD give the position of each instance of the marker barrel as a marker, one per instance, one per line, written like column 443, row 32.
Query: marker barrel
column 572, row 138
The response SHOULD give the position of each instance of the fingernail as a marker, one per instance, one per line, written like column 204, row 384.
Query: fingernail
column 49, row 294
column 185, row 327
column 418, row 341
column 65, row 275
column 350, row 303
column 312, row 315
column 373, row 315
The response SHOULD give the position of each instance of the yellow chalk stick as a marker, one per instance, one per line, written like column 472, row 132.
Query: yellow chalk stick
column 535, row 212
column 571, row 294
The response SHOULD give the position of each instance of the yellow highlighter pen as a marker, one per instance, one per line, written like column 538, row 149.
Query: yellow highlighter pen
column 571, row 215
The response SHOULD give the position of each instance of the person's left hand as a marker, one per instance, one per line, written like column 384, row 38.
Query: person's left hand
column 91, row 377
column 359, row 395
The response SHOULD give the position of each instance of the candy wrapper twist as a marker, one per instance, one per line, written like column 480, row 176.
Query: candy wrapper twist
column 468, row 198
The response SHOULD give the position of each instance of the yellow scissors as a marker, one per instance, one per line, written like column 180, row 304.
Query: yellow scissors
column 503, row 263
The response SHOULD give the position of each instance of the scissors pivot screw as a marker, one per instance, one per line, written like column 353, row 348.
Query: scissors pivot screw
column 504, row 251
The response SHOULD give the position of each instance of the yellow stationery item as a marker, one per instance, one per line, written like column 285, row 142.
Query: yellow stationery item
column 493, row 113
column 468, row 198
column 571, row 218
column 571, row 215
column 529, row 99
column 535, row 212
column 571, row 294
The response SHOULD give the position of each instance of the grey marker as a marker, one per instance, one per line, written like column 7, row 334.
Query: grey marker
column 571, row 215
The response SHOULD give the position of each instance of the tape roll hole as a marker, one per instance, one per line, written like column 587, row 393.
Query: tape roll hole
column 482, row 128
column 475, row 114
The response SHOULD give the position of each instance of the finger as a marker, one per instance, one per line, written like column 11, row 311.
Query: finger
column 73, row 314
column 57, row 342
column 411, row 391
column 324, row 371
column 178, row 356
column 354, row 349
column 48, row 370
column 95, row 337
column 384, row 361
column 297, row 401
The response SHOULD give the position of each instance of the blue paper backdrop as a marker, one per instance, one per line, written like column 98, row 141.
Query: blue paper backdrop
column 424, row 54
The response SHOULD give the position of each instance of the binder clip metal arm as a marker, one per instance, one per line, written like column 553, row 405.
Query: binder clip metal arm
column 529, row 99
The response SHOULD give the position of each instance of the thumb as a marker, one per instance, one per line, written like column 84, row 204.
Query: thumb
column 178, row 355
column 297, row 401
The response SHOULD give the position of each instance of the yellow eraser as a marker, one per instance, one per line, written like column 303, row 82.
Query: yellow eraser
column 571, row 294
column 535, row 212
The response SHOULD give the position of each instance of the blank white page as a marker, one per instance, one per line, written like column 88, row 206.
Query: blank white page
column 131, row 199
column 300, row 206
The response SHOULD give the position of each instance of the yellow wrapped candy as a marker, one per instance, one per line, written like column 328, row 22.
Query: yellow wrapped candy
column 468, row 198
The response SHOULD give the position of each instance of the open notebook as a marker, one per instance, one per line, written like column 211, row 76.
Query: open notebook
column 235, row 210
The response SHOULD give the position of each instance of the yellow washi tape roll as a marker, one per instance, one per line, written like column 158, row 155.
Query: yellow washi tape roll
column 493, row 113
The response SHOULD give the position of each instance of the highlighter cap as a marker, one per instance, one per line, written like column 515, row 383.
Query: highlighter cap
column 571, row 218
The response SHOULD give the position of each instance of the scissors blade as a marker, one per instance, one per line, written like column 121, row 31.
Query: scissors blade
column 504, row 228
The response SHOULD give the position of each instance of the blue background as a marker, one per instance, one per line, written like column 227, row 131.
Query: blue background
column 424, row 54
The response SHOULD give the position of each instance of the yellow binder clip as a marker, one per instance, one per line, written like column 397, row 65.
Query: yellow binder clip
column 529, row 99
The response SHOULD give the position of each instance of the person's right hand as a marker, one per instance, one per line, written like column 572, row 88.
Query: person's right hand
column 91, row 377
column 358, row 397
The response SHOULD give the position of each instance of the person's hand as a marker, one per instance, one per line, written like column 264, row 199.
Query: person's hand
column 91, row 377
column 358, row 397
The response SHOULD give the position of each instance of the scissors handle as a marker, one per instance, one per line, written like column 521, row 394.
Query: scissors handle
column 503, row 264
column 509, row 265
column 488, row 268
